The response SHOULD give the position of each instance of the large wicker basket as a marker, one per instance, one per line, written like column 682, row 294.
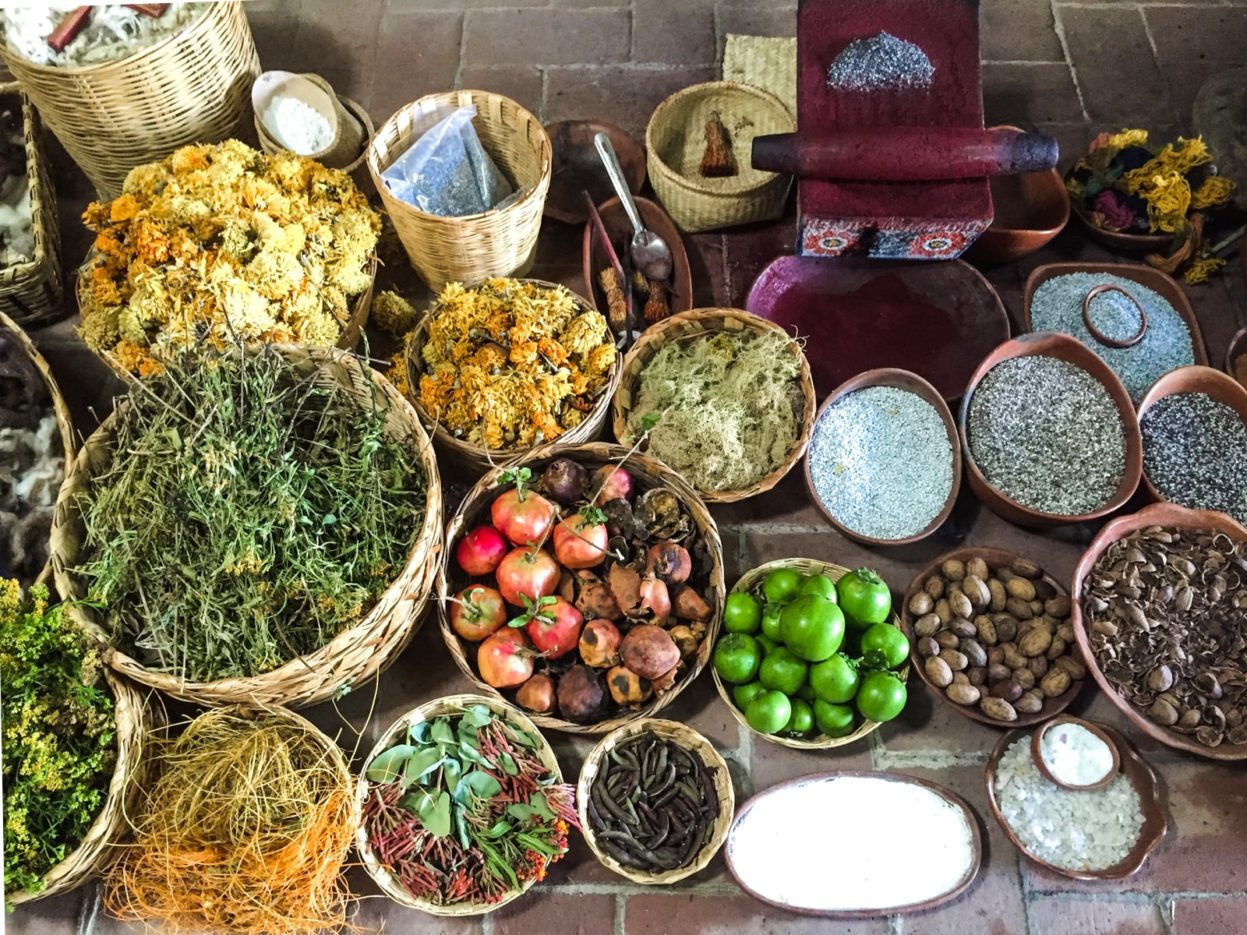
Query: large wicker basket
column 353, row 656
column 470, row 249
column 31, row 292
column 134, row 718
column 646, row 473
column 701, row 321
column 452, row 705
column 477, row 459
column 191, row 87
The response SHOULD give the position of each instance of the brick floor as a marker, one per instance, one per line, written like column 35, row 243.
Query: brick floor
column 1069, row 69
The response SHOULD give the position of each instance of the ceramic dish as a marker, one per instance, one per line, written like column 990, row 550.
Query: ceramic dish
column 937, row 320
column 577, row 167
column 1237, row 349
column 1137, row 244
column 1030, row 209
column 1041, row 764
column 1146, row 784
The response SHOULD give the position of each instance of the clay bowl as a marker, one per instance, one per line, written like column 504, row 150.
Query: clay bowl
column 1042, row 765
column 902, row 380
column 1221, row 387
column 1135, row 244
column 1146, row 784
column 576, row 167
column 1030, row 209
column 1157, row 514
column 1237, row 348
column 1063, row 347
column 995, row 558
column 619, row 230
column 937, row 320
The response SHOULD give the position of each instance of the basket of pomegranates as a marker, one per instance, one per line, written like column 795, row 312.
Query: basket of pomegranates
column 583, row 583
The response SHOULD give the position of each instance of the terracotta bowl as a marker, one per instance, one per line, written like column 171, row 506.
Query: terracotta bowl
column 1221, row 387
column 902, row 380
column 1030, row 209
column 1062, row 347
column 1042, row 765
column 994, row 558
column 1157, row 514
column 576, row 167
column 1136, row 244
column 1146, row 784
column 1237, row 348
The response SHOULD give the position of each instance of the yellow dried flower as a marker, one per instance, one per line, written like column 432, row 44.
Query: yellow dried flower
column 393, row 313
column 1201, row 268
column 1216, row 190
column 1127, row 138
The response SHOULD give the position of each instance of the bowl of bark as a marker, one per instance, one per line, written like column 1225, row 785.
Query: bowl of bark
column 1031, row 208
column 1089, row 630
column 1062, row 347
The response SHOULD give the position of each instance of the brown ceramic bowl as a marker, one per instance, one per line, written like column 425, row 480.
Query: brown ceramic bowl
column 619, row 230
column 995, row 558
column 1140, row 774
column 1237, row 348
column 1157, row 514
column 1030, row 209
column 576, row 167
column 1221, row 387
column 1136, row 244
column 902, row 380
column 1062, row 347
column 1042, row 765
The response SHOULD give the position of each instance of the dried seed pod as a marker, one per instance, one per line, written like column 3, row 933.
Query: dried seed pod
column 1006, row 627
column 998, row 709
column 934, row 586
column 1066, row 632
column 1209, row 736
column 963, row 628
column 957, row 661
column 977, row 566
column 997, row 672
column 953, row 570
column 920, row 604
column 975, row 588
column 1021, row 588
column 1056, row 650
column 1019, row 608
column 1058, row 607
column 961, row 605
column 927, row 646
column 938, row 671
column 1025, row 677
column 1013, row 657
column 1036, row 642
column 1031, row 702
column 974, row 652
column 1104, row 627
column 978, row 677
column 1039, row 665
column 947, row 639
column 966, row 694
column 1190, row 719
column 1009, row 691
column 999, row 596
column 1026, row 568
column 1077, row 671
column 985, row 629
column 927, row 625
column 944, row 610
column 1056, row 682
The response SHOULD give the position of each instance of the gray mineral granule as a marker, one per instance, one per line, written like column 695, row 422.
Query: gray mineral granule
column 1195, row 453
column 880, row 63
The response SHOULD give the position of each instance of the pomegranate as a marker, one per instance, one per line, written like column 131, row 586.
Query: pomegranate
column 531, row 573
column 599, row 644
column 522, row 516
column 480, row 551
column 670, row 561
column 580, row 541
column 655, row 598
column 612, row 483
column 537, row 694
column 505, row 659
column 553, row 625
column 476, row 612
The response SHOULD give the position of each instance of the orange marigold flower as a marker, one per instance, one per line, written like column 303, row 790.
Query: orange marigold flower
column 123, row 208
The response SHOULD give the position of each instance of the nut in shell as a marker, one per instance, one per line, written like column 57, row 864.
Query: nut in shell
column 934, row 586
column 921, row 603
column 999, row 596
column 1031, row 702
column 975, row 588
column 963, row 694
column 938, row 671
column 998, row 709
column 956, row 660
column 986, row 630
column 953, row 569
column 1021, row 588
column 977, row 566
column 927, row 625
column 1055, row 683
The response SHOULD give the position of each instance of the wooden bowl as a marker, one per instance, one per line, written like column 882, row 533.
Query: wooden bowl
column 577, row 167
column 995, row 558
column 1031, row 208
column 692, row 742
column 753, row 579
column 1042, row 765
column 1157, row 514
column 1221, row 387
column 1141, row 775
column 1062, row 347
column 910, row 382
column 1135, row 244
column 1237, row 349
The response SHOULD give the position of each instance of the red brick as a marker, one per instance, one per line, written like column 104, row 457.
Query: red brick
column 557, row 37
column 626, row 94
column 1056, row 916
column 1119, row 79
column 522, row 84
column 709, row 915
column 701, row 708
column 417, row 54
column 788, row 502
column 1209, row 916
column 1036, row 92
column 929, row 725
column 773, row 763
column 580, row 866
column 545, row 912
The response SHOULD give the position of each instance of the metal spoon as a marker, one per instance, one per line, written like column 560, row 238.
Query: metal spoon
column 650, row 253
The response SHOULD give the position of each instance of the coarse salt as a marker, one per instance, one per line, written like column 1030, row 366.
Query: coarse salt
column 1075, row 755
column 298, row 126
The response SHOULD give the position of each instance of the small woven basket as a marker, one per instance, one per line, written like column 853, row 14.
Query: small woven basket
column 807, row 566
column 64, row 424
column 675, row 142
column 452, row 705
column 134, row 720
column 190, row 87
column 646, row 473
column 31, row 292
column 691, row 741
column 702, row 321
column 477, row 459
column 351, row 658
column 355, row 131
column 475, row 247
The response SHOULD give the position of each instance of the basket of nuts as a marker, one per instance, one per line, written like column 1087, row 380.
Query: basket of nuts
column 992, row 637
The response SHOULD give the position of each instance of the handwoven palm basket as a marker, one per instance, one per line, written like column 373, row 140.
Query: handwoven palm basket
column 752, row 580
column 694, row 743
column 191, row 87
column 675, row 142
column 350, row 149
column 707, row 321
column 353, row 656
column 397, row 733
column 475, row 247
column 134, row 719
column 31, row 292
column 646, row 473
column 60, row 410
column 477, row 459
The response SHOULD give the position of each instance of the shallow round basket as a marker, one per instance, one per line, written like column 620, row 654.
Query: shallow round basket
column 351, row 658
column 1121, row 241
column 689, row 740
column 477, row 459
column 647, row 473
column 64, row 424
column 753, row 579
column 469, row 249
column 675, row 141
column 451, row 704
column 134, row 718
column 707, row 321
column 191, row 87
column 352, row 147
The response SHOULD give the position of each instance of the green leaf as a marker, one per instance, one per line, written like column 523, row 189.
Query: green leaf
column 452, row 769
column 414, row 802
column 420, row 764
column 501, row 827
column 507, row 762
column 435, row 814
column 476, row 715
column 542, row 807
column 461, row 825
column 525, row 739
column 497, row 866
column 329, row 520
column 388, row 766
column 521, row 812
column 649, row 420
column 442, row 732
column 419, row 732
column 481, row 783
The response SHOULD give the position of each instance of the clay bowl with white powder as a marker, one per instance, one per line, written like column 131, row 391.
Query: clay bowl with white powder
column 1075, row 754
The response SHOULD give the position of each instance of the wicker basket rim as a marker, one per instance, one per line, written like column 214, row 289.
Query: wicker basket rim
column 31, row 148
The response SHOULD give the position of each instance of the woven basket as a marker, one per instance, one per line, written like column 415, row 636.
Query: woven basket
column 646, row 473
column 353, row 656
column 477, row 459
column 675, row 142
column 752, row 580
column 134, row 719
column 451, row 704
column 191, row 87
column 479, row 246
column 350, row 149
column 691, row 741
column 700, row 321
column 30, row 292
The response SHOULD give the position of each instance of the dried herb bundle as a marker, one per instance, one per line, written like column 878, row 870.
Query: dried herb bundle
column 250, row 514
